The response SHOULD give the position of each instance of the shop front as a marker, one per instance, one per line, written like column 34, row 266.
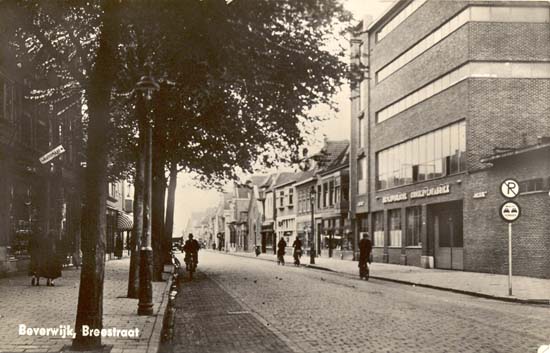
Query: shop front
column 268, row 238
column 419, row 227
column 445, row 230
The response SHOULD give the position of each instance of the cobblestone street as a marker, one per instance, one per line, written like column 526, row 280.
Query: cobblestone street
column 50, row 307
column 246, row 305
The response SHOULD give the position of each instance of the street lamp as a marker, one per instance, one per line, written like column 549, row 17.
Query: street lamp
column 312, row 240
column 147, row 85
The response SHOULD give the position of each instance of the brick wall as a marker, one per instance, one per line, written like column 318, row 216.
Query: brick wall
column 486, row 234
column 433, row 63
column 505, row 113
column 509, row 41
column 423, row 21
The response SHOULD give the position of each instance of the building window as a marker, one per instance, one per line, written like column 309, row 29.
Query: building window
column 414, row 225
column 378, row 225
column 290, row 197
column 319, row 196
column 430, row 156
column 325, row 194
column 331, row 193
column 360, row 132
column 362, row 175
column 337, row 191
column 531, row 185
column 363, row 98
column 281, row 199
column 395, row 227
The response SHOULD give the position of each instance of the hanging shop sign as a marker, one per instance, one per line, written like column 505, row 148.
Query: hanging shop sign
column 52, row 154
column 426, row 192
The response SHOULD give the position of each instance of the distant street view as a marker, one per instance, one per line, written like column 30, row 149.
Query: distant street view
column 275, row 176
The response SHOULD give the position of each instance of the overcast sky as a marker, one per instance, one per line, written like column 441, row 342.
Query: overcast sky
column 190, row 199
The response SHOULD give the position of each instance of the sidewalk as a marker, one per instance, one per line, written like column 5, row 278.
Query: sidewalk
column 50, row 307
column 525, row 289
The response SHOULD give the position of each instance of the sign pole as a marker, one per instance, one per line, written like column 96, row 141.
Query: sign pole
column 510, row 258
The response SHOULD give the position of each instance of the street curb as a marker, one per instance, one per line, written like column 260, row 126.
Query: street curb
column 545, row 302
column 153, row 344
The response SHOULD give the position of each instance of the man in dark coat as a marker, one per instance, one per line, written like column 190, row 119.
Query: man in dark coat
column 365, row 248
column 281, row 246
column 191, row 248
column 297, row 245
column 36, row 258
column 50, row 263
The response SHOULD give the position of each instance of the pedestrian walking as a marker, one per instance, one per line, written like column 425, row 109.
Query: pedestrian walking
column 214, row 246
column 365, row 248
column 47, row 252
column 34, row 251
column 119, row 246
column 281, row 247
column 297, row 245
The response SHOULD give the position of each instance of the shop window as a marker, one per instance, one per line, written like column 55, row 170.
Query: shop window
column 531, row 185
column 395, row 227
column 414, row 225
column 378, row 223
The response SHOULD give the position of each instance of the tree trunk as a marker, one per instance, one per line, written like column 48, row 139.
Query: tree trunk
column 170, row 203
column 90, row 296
column 139, row 184
column 158, row 207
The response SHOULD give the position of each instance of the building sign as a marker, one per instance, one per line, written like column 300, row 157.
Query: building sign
column 480, row 195
column 437, row 190
column 395, row 198
column 426, row 192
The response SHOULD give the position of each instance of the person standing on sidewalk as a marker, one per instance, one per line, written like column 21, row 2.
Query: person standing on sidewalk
column 281, row 246
column 52, row 254
column 36, row 257
column 365, row 248
column 297, row 245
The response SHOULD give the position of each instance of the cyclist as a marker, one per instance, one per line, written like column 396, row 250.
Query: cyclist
column 191, row 249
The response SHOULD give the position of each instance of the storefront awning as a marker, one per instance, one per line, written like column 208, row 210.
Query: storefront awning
column 125, row 221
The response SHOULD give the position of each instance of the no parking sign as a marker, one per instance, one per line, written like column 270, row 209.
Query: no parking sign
column 510, row 212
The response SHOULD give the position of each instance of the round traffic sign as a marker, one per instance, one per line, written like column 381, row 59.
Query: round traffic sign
column 510, row 211
column 509, row 188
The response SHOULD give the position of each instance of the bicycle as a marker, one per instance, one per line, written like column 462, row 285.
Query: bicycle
column 191, row 262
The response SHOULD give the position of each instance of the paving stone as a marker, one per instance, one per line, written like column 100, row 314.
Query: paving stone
column 318, row 311
column 42, row 306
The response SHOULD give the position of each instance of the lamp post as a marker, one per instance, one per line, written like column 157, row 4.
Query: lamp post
column 148, row 85
column 312, row 240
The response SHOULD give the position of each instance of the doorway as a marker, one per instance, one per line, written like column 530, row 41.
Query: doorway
column 447, row 232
